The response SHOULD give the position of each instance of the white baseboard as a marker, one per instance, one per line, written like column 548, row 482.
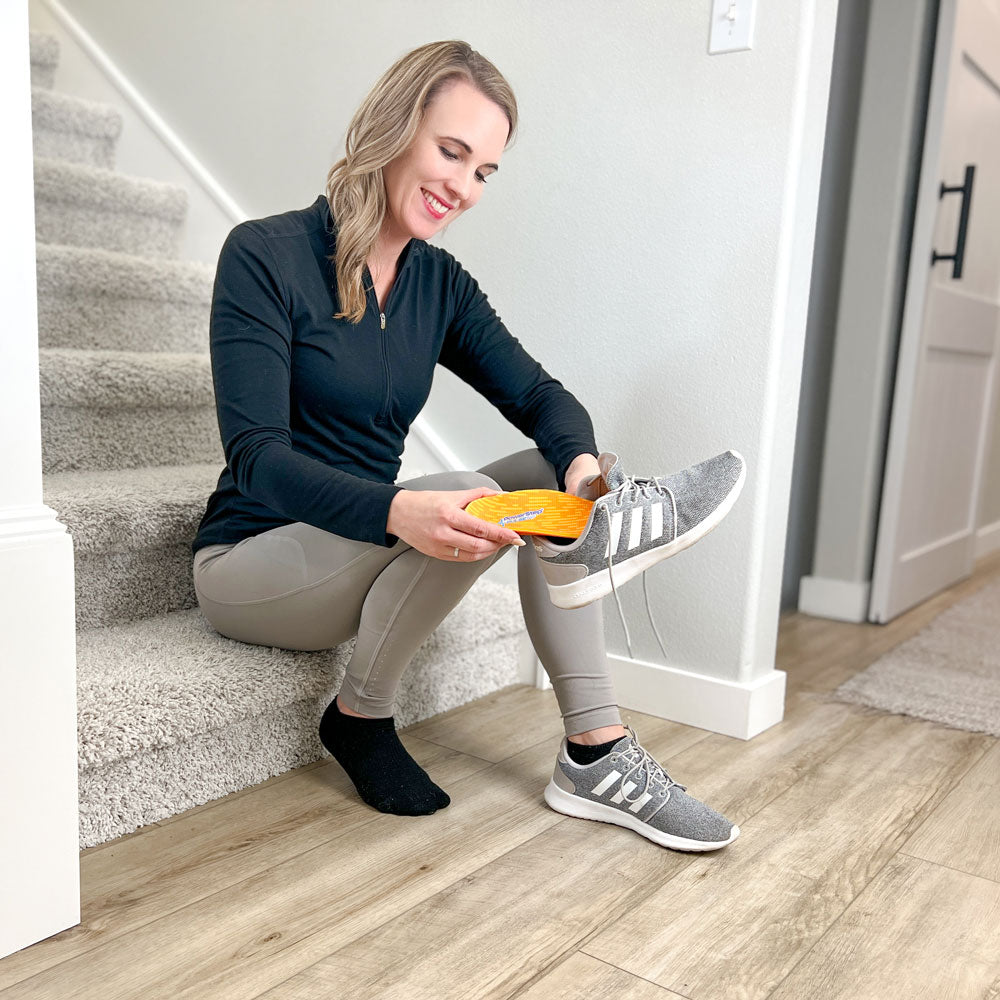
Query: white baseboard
column 39, row 835
column 845, row 600
column 435, row 444
column 530, row 669
column 848, row 600
column 720, row 706
column 725, row 707
column 987, row 539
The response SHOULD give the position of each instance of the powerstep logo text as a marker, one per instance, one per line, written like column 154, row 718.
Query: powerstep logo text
column 526, row 516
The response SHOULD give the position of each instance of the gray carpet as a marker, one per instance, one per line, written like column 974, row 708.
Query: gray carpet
column 170, row 713
column 948, row 672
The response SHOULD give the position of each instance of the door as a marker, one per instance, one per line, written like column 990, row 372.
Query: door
column 942, row 412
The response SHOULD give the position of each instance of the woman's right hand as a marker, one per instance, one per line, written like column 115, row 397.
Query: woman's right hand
column 435, row 522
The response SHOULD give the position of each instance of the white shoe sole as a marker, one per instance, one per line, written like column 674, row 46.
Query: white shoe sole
column 573, row 805
column 598, row 585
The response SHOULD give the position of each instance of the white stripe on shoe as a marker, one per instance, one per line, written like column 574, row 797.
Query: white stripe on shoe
column 630, row 786
column 635, row 526
column 606, row 783
column 657, row 525
column 616, row 531
column 602, row 786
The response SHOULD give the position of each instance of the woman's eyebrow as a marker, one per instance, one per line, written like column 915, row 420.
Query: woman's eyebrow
column 468, row 149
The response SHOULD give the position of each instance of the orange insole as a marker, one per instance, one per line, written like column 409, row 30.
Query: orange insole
column 535, row 512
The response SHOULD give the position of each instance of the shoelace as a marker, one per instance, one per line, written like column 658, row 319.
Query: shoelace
column 630, row 491
column 642, row 761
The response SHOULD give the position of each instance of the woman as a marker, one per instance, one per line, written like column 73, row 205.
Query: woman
column 326, row 325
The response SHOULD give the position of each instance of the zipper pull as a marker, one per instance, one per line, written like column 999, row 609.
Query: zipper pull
column 383, row 320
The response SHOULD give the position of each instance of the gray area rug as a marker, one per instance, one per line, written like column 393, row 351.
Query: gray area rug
column 948, row 672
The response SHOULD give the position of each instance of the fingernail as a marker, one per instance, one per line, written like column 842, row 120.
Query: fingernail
column 519, row 542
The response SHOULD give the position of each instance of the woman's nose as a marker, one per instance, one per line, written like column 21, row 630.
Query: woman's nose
column 460, row 186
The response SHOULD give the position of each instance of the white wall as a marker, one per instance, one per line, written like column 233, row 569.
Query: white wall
column 649, row 236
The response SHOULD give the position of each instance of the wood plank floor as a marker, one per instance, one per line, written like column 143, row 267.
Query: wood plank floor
column 868, row 866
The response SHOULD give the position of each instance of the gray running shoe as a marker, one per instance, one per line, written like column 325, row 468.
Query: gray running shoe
column 635, row 523
column 629, row 788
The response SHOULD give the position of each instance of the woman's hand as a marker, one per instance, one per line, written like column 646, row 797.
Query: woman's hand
column 435, row 522
column 582, row 467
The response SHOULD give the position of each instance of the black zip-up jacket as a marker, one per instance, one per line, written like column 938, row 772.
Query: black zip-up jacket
column 313, row 411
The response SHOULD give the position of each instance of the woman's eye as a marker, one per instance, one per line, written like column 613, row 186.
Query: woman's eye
column 454, row 156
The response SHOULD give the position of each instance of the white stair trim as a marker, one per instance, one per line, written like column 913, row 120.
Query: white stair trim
column 146, row 111
column 844, row 600
column 39, row 839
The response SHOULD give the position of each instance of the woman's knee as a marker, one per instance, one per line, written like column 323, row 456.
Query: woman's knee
column 467, row 479
column 523, row 470
column 459, row 479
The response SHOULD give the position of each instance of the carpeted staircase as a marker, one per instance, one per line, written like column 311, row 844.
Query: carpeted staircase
column 171, row 714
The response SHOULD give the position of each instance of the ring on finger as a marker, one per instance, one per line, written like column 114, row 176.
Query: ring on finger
column 456, row 551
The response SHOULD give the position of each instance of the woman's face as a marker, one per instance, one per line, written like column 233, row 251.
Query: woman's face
column 443, row 172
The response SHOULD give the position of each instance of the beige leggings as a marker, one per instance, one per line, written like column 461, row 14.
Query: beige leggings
column 300, row 587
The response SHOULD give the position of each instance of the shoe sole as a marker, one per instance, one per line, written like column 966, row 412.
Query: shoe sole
column 535, row 512
column 598, row 585
column 572, row 805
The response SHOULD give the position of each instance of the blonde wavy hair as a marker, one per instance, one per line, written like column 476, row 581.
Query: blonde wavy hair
column 383, row 127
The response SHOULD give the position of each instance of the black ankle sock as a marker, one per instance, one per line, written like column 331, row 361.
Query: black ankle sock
column 580, row 753
column 384, row 774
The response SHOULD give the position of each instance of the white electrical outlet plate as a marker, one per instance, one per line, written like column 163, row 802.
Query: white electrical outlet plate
column 732, row 26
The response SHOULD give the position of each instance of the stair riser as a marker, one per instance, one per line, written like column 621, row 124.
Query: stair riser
column 114, row 587
column 43, row 75
column 79, row 225
column 75, row 438
column 133, row 324
column 95, row 151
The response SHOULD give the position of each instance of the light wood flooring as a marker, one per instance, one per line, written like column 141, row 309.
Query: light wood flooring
column 868, row 866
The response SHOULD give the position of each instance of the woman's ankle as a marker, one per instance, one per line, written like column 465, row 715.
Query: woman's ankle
column 594, row 737
column 350, row 711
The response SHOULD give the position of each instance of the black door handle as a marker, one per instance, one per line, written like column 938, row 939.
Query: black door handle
column 963, row 222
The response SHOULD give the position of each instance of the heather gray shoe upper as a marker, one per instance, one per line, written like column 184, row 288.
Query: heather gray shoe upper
column 629, row 775
column 633, row 516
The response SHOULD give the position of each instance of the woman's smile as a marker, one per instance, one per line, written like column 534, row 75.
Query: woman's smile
column 435, row 206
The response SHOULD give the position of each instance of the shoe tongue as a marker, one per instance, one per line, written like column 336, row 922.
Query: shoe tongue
column 611, row 469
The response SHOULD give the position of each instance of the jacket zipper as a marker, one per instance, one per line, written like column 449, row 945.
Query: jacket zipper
column 383, row 416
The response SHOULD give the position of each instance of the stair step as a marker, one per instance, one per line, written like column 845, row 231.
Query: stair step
column 105, row 300
column 132, row 532
column 73, row 129
column 126, row 409
column 171, row 714
column 80, row 205
column 44, row 50
column 116, row 511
